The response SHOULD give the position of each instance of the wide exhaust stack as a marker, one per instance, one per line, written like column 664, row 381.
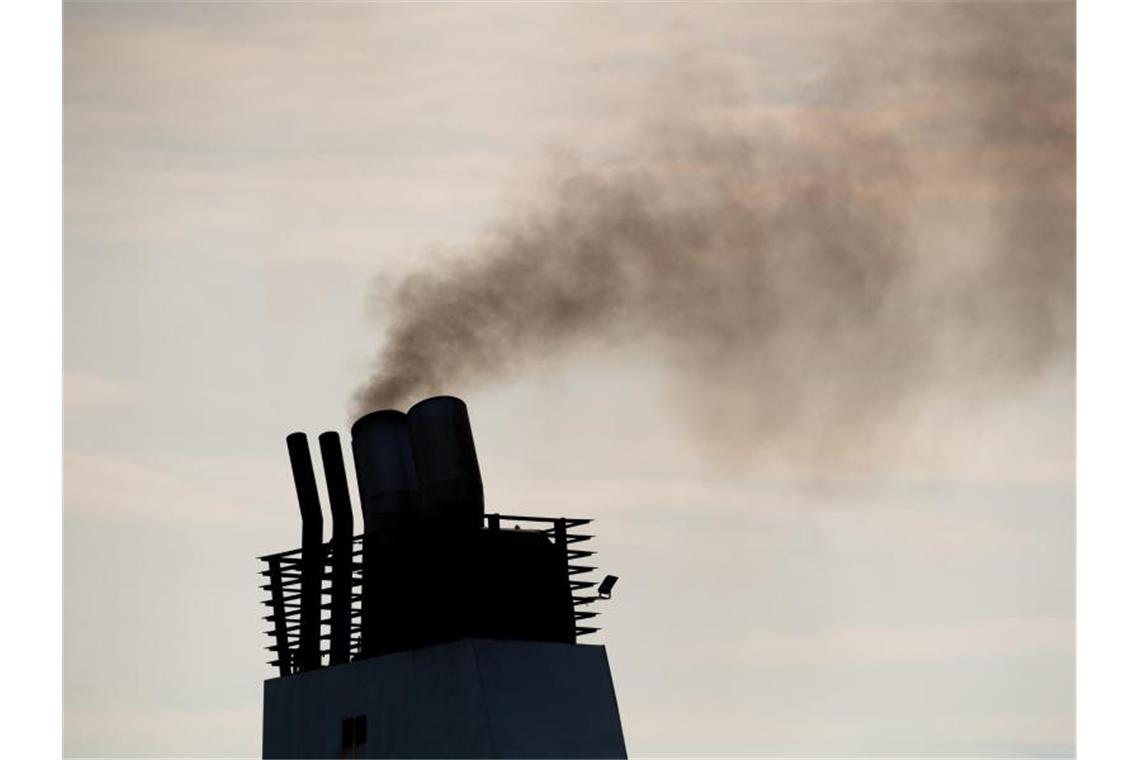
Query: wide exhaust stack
column 385, row 470
column 451, row 487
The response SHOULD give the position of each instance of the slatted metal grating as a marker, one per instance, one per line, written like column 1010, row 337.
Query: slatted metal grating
column 282, row 575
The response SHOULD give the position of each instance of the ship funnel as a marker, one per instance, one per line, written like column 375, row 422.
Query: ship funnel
column 451, row 488
column 385, row 469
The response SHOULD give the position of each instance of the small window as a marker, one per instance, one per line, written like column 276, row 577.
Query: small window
column 345, row 736
column 360, row 730
column 353, row 735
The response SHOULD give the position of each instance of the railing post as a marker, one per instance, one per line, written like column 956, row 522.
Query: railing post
column 561, row 543
column 560, row 535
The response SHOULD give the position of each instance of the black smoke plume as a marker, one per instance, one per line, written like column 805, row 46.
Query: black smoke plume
column 796, row 267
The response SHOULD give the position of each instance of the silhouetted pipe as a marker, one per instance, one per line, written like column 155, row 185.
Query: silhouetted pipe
column 340, row 506
column 451, row 488
column 385, row 469
column 389, row 500
column 312, row 551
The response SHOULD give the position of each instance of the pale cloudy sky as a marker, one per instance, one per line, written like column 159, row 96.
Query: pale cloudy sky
column 242, row 179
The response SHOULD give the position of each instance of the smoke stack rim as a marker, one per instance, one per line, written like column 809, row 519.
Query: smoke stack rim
column 433, row 400
column 378, row 415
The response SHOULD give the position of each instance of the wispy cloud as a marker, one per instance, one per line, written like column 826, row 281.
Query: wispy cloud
column 83, row 392
column 179, row 490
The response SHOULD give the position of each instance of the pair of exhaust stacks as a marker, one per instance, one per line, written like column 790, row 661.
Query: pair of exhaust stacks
column 435, row 568
column 418, row 466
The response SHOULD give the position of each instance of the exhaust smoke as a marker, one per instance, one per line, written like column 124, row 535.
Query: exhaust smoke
column 798, row 268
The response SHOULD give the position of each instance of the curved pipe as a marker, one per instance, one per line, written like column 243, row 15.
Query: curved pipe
column 340, row 505
column 305, row 481
column 312, row 552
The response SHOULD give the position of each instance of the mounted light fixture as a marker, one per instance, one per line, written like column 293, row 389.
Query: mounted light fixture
column 606, row 587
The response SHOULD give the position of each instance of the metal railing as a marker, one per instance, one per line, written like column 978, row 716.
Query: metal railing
column 283, row 584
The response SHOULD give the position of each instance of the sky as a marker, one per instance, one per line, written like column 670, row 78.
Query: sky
column 245, row 186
